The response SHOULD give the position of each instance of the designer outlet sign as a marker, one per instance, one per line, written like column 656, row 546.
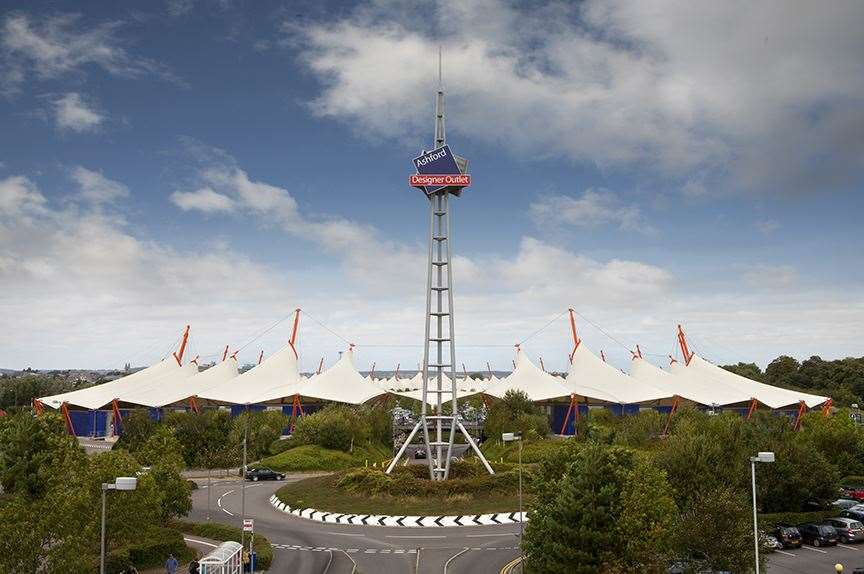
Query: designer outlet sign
column 437, row 170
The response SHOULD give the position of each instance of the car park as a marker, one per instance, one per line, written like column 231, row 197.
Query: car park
column 257, row 474
column 855, row 513
column 855, row 492
column 817, row 534
column 848, row 529
column 788, row 536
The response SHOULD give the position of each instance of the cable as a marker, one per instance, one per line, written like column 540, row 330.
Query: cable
column 543, row 328
column 328, row 329
column 596, row 326
column 264, row 332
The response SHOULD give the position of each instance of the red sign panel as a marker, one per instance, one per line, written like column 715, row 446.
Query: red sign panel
column 424, row 180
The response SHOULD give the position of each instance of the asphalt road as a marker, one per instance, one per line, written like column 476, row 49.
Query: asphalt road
column 809, row 560
column 301, row 546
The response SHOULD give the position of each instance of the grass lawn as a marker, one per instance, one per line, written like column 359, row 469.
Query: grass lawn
column 322, row 493
column 314, row 457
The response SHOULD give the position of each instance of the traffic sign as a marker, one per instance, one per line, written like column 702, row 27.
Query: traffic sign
column 247, row 525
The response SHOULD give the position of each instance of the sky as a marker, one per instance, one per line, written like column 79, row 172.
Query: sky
column 219, row 163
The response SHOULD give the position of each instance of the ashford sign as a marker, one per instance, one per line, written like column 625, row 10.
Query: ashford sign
column 437, row 170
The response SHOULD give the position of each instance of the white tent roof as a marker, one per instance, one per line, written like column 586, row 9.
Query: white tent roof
column 101, row 395
column 687, row 385
column 341, row 383
column 770, row 396
column 168, row 390
column 275, row 378
column 530, row 379
column 591, row 377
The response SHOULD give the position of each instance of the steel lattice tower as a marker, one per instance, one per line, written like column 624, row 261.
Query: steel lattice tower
column 440, row 341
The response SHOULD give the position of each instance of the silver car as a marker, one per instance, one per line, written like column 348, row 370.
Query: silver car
column 848, row 529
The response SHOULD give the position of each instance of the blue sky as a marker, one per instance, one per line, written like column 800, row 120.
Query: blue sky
column 219, row 163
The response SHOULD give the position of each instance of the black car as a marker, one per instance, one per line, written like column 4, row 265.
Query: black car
column 818, row 534
column 788, row 536
column 854, row 513
column 257, row 474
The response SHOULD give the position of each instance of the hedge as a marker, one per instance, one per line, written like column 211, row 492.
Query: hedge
column 151, row 550
column 769, row 521
column 223, row 532
column 852, row 480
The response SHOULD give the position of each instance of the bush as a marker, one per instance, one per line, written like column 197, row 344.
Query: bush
column 310, row 457
column 281, row 445
column 337, row 427
column 516, row 413
column 150, row 550
column 223, row 532
column 852, row 480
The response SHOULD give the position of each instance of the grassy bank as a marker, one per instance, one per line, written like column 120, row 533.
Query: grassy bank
column 313, row 457
column 370, row 491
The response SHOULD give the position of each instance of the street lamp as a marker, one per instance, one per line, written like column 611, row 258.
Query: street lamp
column 761, row 457
column 510, row 437
column 120, row 483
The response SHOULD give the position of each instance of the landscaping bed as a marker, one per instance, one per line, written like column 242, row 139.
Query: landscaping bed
column 408, row 491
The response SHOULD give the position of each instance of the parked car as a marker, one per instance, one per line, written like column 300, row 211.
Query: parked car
column 852, row 491
column 817, row 534
column 257, row 474
column 855, row 513
column 770, row 543
column 420, row 453
column 844, row 503
column 788, row 536
column 848, row 529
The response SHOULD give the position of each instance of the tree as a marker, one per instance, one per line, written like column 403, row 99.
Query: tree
column 136, row 428
column 582, row 519
column 749, row 370
column 516, row 413
column 162, row 453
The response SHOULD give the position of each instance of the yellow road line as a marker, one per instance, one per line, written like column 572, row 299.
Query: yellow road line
column 508, row 568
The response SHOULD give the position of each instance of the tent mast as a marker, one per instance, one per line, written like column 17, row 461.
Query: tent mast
column 178, row 356
column 685, row 349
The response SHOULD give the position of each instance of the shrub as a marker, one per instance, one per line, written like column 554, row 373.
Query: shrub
column 336, row 427
column 152, row 547
column 516, row 413
column 769, row 521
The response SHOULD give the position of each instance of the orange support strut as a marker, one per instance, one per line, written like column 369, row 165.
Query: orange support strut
column 293, row 340
column 675, row 402
column 802, row 408
column 178, row 356
column 826, row 408
column 116, row 417
column 225, row 354
column 685, row 348
column 38, row 407
column 64, row 409
column 576, row 339
column 752, row 409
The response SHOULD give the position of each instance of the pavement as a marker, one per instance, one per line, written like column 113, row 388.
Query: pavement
column 810, row 560
column 301, row 546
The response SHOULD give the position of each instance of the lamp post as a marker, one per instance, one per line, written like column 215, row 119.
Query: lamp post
column 120, row 483
column 510, row 437
column 761, row 457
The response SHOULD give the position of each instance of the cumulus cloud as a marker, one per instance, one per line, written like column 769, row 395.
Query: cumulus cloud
column 59, row 44
column 19, row 195
column 95, row 188
column 72, row 112
column 594, row 208
column 726, row 92
column 204, row 200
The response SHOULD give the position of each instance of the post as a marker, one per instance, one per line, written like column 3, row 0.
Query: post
column 102, row 546
column 521, row 516
column 243, row 478
column 251, row 546
column 209, row 490
column 755, row 524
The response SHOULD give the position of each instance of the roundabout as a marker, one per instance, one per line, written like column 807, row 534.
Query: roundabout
column 302, row 545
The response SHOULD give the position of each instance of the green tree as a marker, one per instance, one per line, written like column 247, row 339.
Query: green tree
column 516, row 413
column 263, row 428
column 749, row 370
column 136, row 428
column 581, row 521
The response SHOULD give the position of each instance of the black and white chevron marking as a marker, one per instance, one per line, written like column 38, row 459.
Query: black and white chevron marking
column 399, row 521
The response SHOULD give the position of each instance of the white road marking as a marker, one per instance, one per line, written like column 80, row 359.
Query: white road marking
column 219, row 503
column 454, row 557
column 814, row 549
column 784, row 552
column 490, row 535
column 847, row 547
column 426, row 536
column 346, row 534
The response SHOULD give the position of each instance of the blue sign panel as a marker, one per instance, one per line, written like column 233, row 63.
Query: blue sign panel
column 439, row 161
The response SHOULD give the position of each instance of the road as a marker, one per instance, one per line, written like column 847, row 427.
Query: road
column 301, row 546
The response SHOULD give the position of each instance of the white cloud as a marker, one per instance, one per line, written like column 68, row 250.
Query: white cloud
column 722, row 91
column 54, row 45
column 19, row 195
column 71, row 112
column 204, row 200
column 95, row 188
column 594, row 208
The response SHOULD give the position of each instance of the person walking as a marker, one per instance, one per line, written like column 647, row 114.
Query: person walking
column 171, row 565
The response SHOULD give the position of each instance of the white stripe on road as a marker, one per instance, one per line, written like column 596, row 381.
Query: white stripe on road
column 814, row 549
column 490, row 535
column 427, row 536
column 454, row 557
column 784, row 552
column 346, row 534
column 219, row 503
column 847, row 547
